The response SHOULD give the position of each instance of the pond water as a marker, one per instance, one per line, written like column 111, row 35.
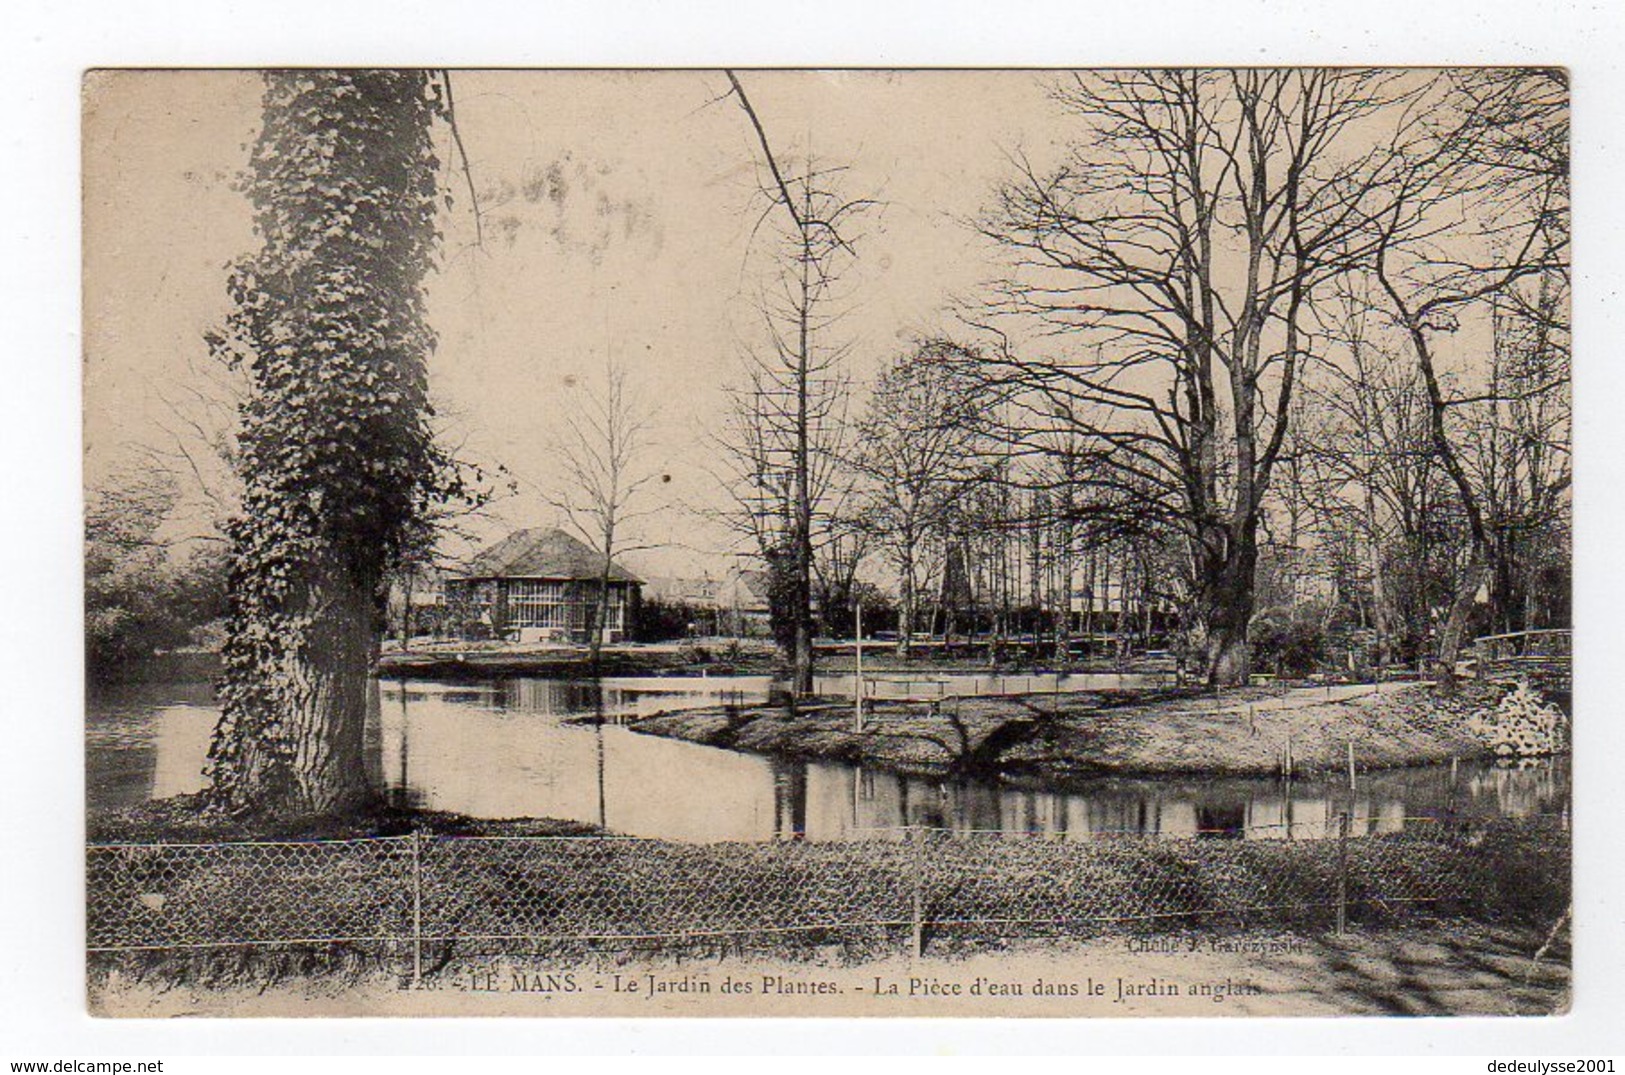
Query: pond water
column 509, row 749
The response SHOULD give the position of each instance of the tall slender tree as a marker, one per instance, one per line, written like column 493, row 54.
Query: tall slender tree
column 783, row 426
column 603, row 447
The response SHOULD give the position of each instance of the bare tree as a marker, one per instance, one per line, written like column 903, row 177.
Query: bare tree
column 1493, row 183
column 1177, row 254
column 199, row 442
column 921, row 447
column 786, row 419
column 1360, row 472
column 842, row 543
column 607, row 477
column 1520, row 440
column 986, row 516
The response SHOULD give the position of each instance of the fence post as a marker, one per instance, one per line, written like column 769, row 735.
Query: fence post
column 1342, row 871
column 917, row 838
column 417, row 910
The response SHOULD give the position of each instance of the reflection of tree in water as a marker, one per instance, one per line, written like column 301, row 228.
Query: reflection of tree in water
column 1226, row 821
column 603, row 804
column 833, row 800
column 549, row 697
column 372, row 736
column 397, row 789
column 789, row 799
column 968, row 806
column 1535, row 786
column 922, row 804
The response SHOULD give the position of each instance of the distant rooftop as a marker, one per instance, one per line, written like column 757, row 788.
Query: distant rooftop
column 542, row 554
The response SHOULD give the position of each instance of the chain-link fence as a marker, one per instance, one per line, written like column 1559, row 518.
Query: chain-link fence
column 226, row 894
column 432, row 897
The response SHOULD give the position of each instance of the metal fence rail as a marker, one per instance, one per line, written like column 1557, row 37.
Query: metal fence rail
column 911, row 885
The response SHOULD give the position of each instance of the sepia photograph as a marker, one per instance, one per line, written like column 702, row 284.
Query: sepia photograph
column 827, row 542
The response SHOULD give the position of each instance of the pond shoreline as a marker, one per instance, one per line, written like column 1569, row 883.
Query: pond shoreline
column 450, row 662
column 184, row 818
column 1067, row 738
column 739, row 768
column 485, row 664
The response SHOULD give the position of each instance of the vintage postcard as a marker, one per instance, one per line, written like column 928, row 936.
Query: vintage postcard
column 827, row 543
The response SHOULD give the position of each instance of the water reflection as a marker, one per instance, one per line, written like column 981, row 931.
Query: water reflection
column 844, row 801
column 146, row 741
column 516, row 748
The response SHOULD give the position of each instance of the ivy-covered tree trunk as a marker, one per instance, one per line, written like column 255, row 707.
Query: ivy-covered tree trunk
column 307, row 709
column 336, row 456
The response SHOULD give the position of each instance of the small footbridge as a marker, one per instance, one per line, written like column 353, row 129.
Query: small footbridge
column 1544, row 658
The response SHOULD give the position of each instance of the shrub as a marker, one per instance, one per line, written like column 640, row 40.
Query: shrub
column 1290, row 641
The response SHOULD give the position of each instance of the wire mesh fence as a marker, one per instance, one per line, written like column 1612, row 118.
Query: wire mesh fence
column 444, row 895
column 204, row 895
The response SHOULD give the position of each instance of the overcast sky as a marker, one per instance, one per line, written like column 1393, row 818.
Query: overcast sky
column 618, row 213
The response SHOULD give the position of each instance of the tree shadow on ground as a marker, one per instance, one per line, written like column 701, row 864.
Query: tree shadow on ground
column 1452, row 969
column 967, row 747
